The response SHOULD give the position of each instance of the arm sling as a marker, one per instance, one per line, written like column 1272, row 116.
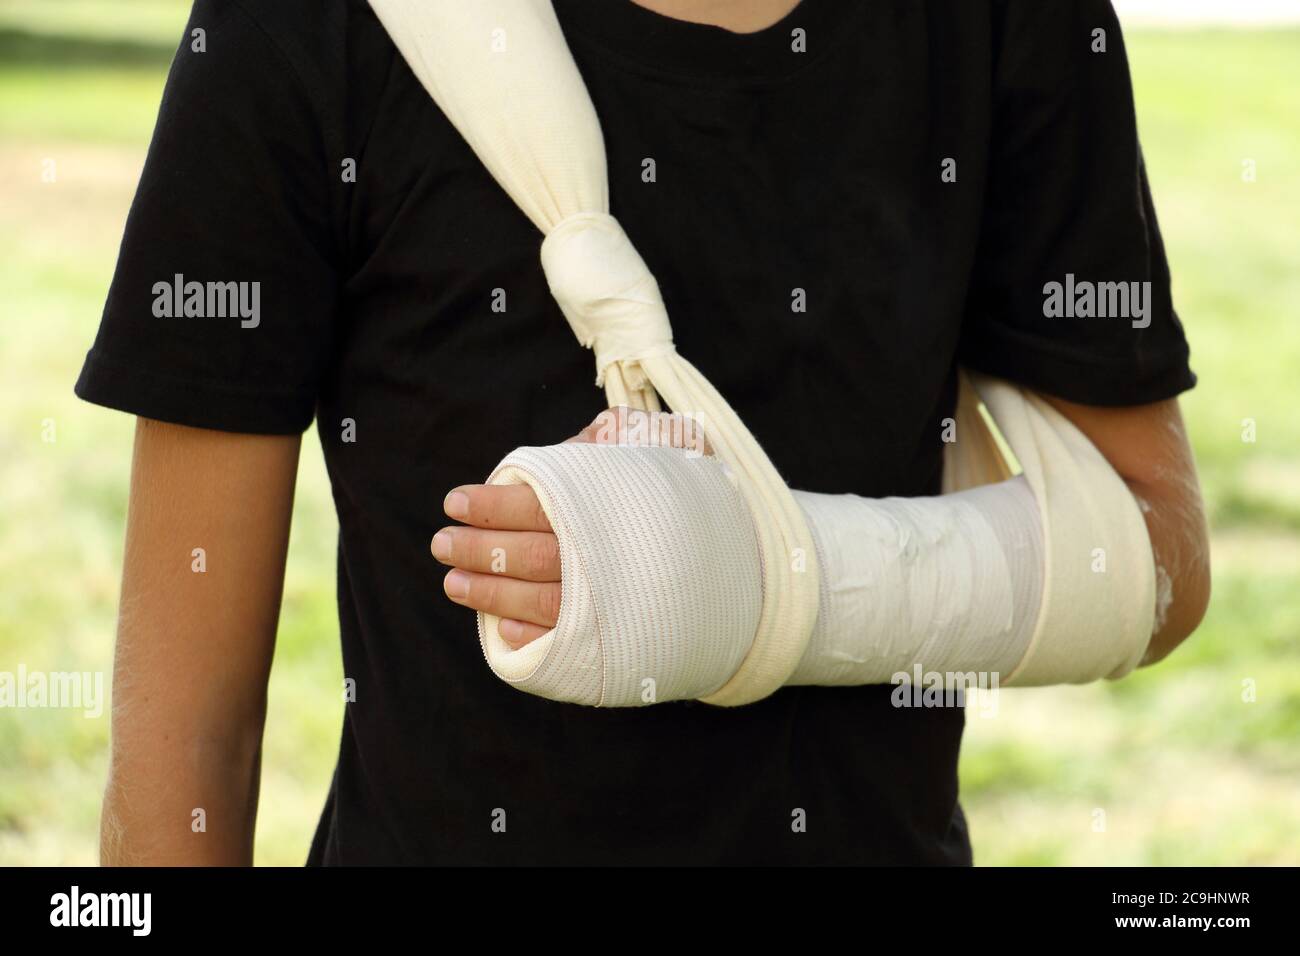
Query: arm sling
column 502, row 73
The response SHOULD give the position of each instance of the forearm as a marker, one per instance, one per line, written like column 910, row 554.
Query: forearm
column 952, row 584
column 179, row 794
column 188, row 712
column 947, row 584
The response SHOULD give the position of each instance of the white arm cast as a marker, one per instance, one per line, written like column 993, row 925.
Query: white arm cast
column 662, row 584
column 950, row 584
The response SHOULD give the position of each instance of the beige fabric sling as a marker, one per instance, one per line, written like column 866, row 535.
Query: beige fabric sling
column 502, row 73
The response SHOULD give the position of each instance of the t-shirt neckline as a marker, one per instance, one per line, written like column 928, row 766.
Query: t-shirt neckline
column 679, row 47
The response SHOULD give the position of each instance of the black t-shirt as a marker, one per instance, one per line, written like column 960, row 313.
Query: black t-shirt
column 775, row 169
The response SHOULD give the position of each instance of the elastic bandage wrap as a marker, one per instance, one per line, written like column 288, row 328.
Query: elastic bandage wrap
column 661, row 587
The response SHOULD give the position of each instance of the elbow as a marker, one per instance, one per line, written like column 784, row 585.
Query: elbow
column 1182, row 600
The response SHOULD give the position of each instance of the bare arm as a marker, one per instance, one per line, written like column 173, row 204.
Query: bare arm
column 1147, row 445
column 194, row 646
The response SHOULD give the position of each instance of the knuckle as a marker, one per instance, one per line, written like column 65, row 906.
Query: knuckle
column 539, row 515
column 548, row 603
column 479, row 553
column 539, row 555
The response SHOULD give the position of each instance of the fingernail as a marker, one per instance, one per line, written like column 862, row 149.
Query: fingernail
column 511, row 631
column 456, row 505
column 456, row 584
column 442, row 545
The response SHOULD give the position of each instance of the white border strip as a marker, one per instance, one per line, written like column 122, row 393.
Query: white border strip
column 1248, row 14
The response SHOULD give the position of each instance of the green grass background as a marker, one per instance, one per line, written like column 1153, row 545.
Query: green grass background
column 1171, row 766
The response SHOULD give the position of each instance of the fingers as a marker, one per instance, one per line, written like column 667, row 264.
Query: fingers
column 526, row 601
column 507, row 563
column 528, row 555
column 507, row 507
column 622, row 425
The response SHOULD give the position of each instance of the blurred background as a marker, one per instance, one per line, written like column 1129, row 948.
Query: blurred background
column 1194, row 762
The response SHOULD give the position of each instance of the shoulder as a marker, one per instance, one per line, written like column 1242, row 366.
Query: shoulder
column 322, row 53
column 1062, row 21
column 312, row 36
column 320, row 40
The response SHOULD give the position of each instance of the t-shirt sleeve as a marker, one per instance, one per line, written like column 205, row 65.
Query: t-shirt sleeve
column 1070, row 293
column 221, row 308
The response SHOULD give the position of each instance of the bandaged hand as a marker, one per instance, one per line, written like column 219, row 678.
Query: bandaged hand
column 505, row 558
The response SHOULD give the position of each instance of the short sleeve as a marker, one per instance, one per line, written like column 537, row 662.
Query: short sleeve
column 222, row 304
column 1070, row 293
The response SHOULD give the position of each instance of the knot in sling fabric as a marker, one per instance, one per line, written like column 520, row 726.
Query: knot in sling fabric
column 502, row 73
column 607, row 293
